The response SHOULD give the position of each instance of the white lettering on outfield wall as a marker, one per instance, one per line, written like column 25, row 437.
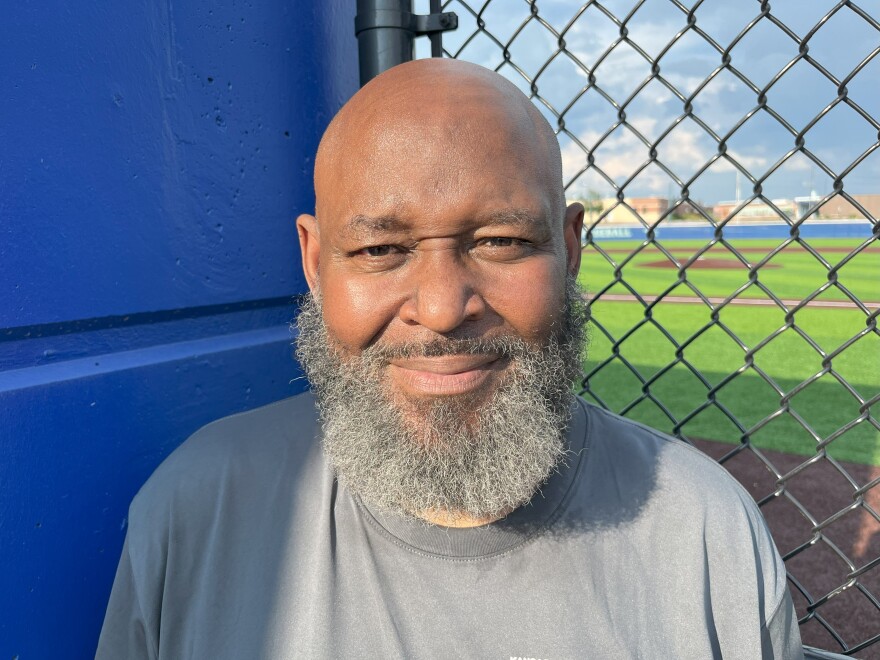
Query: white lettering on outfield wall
column 612, row 232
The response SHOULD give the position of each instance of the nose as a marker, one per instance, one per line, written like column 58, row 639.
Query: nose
column 442, row 295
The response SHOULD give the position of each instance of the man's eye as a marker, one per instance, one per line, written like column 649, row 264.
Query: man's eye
column 503, row 242
column 503, row 248
column 500, row 241
column 378, row 250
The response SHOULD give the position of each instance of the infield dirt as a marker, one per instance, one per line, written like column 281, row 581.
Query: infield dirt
column 823, row 491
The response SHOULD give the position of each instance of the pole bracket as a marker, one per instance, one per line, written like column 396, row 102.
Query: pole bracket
column 418, row 24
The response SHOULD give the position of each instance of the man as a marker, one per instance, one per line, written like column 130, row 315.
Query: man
column 465, row 504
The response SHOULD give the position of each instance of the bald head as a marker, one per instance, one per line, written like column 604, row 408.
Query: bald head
column 439, row 204
column 441, row 117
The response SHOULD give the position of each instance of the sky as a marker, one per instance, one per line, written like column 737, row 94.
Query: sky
column 838, row 139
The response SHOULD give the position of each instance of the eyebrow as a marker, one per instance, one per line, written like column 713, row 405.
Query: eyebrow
column 361, row 223
column 505, row 217
column 513, row 217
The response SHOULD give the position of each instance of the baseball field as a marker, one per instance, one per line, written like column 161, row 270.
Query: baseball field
column 788, row 383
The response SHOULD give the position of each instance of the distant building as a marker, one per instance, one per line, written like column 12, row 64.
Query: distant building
column 756, row 211
column 804, row 204
column 836, row 208
column 635, row 210
column 839, row 207
column 648, row 208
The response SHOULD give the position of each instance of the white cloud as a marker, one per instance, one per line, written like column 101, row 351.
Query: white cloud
column 721, row 104
column 752, row 163
column 798, row 165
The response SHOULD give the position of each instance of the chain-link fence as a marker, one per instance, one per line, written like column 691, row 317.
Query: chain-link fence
column 727, row 157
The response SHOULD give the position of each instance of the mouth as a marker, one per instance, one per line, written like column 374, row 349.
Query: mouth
column 448, row 375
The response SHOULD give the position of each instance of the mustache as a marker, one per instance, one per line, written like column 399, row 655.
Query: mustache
column 503, row 346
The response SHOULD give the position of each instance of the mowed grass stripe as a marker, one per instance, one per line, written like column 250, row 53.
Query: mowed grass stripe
column 794, row 273
column 788, row 360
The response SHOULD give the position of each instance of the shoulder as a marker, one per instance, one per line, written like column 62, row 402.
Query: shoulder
column 673, row 467
column 680, row 498
column 657, row 501
column 225, row 486
column 672, row 489
column 241, row 450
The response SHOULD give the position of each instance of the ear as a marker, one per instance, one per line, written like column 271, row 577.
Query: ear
column 574, row 223
column 310, row 247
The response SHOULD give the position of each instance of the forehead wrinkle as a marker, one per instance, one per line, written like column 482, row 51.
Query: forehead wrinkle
column 514, row 217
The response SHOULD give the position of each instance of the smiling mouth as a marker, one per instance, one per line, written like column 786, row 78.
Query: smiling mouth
column 448, row 375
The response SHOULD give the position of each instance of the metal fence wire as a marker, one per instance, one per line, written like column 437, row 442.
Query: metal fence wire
column 678, row 99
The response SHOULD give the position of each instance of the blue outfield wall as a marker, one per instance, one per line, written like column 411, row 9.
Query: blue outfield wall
column 154, row 157
column 671, row 231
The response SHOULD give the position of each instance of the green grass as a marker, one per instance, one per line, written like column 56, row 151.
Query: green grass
column 794, row 273
column 787, row 361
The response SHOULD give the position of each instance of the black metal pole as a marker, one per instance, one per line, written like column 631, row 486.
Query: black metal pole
column 380, row 48
column 386, row 31
column 436, row 37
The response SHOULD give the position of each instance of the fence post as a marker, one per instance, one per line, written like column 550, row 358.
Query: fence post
column 386, row 31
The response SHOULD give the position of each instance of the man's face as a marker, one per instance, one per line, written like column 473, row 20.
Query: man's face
column 445, row 329
column 428, row 236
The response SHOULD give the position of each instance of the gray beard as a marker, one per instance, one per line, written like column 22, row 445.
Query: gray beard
column 450, row 455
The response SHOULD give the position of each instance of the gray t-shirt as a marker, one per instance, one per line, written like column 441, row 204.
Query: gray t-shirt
column 243, row 545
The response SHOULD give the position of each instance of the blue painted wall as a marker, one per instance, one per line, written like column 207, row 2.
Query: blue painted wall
column 153, row 157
